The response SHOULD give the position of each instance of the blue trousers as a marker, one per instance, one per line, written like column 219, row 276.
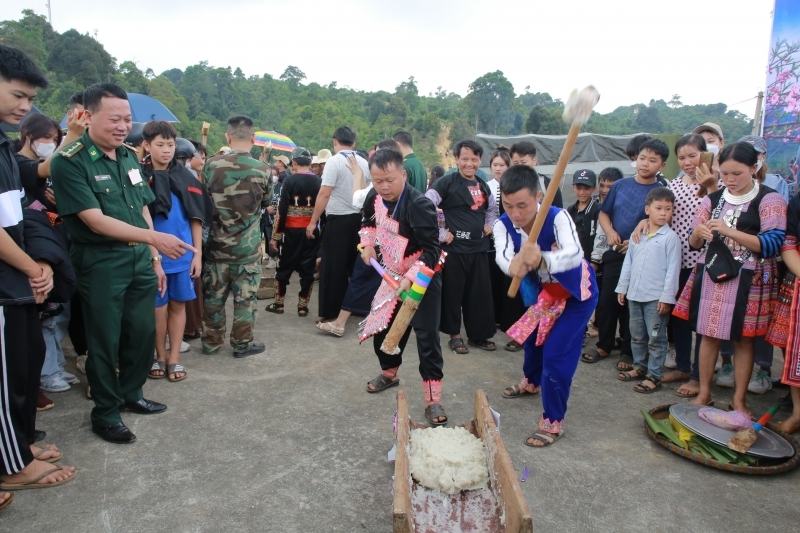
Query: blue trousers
column 552, row 365
column 54, row 330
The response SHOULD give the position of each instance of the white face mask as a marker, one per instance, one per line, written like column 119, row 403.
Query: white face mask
column 43, row 149
column 274, row 179
column 713, row 148
column 633, row 164
column 759, row 164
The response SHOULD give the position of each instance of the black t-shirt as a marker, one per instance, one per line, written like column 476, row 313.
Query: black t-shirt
column 586, row 224
column 464, row 203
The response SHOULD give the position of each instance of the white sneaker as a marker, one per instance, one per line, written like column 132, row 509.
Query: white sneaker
column 185, row 347
column 271, row 263
column 719, row 363
column 81, row 364
column 670, row 361
column 72, row 379
column 724, row 377
column 760, row 381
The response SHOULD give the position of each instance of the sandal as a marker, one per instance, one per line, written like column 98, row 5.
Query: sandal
column 176, row 369
column 333, row 329
column 513, row 346
column 457, row 346
column 592, row 356
column 381, row 383
column 302, row 310
column 638, row 374
column 487, row 345
column 434, row 411
column 688, row 394
column 54, row 459
column 158, row 366
column 645, row 389
column 33, row 484
column 545, row 438
column 8, row 501
column 625, row 363
column 515, row 391
column 274, row 308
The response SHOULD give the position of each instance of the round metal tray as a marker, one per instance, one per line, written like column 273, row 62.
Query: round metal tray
column 768, row 444
column 766, row 466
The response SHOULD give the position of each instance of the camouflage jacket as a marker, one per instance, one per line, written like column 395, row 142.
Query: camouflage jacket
column 240, row 187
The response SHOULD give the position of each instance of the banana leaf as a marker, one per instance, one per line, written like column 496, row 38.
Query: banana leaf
column 663, row 428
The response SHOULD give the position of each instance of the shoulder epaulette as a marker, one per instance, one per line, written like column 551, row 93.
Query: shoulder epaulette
column 71, row 149
column 131, row 148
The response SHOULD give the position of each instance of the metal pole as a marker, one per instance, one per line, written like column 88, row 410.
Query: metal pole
column 757, row 119
column 49, row 13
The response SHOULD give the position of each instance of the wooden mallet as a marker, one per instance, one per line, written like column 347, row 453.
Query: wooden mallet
column 204, row 132
column 576, row 112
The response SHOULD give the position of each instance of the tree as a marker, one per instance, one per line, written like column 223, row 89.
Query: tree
column 545, row 121
column 175, row 75
column 461, row 130
column 131, row 78
column 490, row 101
column 293, row 73
column 675, row 102
column 82, row 58
column 409, row 92
column 27, row 35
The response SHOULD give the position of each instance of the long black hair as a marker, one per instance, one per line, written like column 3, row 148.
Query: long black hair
column 37, row 126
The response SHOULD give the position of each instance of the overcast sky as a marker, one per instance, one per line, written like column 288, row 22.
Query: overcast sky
column 707, row 51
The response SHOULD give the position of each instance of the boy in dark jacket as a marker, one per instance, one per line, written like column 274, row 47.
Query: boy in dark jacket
column 180, row 209
column 585, row 210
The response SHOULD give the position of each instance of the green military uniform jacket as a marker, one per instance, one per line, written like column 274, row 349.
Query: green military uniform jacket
column 240, row 187
column 416, row 175
column 86, row 178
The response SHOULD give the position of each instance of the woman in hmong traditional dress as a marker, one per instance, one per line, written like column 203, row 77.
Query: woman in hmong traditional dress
column 784, row 331
column 751, row 220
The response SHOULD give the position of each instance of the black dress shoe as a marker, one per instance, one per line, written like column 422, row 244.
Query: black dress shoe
column 117, row 434
column 256, row 347
column 146, row 407
column 38, row 435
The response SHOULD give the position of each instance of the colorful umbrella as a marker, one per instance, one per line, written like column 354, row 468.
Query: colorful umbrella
column 279, row 141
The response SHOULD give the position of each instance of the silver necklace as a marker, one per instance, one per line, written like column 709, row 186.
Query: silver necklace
column 743, row 199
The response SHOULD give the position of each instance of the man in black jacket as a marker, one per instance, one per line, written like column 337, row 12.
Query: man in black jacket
column 24, row 283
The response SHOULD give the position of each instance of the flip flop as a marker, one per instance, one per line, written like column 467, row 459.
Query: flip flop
column 174, row 369
column 541, row 436
column 57, row 457
column 381, row 383
column 158, row 365
column 592, row 356
column 519, row 392
column 435, row 410
column 487, row 345
column 33, row 483
column 687, row 395
column 513, row 346
column 334, row 330
column 8, row 501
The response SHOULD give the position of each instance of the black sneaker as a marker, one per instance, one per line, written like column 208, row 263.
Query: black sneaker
column 256, row 347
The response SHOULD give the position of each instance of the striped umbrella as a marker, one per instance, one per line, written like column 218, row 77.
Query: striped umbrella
column 279, row 141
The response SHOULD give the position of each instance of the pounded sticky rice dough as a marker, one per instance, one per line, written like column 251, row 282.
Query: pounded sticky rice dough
column 447, row 459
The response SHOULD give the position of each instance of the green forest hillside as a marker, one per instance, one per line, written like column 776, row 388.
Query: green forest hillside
column 309, row 112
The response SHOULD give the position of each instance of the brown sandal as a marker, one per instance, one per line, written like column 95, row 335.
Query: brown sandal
column 158, row 366
column 175, row 369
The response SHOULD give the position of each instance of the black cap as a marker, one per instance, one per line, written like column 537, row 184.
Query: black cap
column 184, row 149
column 134, row 137
column 301, row 153
column 584, row 177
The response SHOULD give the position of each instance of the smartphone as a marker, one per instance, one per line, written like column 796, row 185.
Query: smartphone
column 707, row 159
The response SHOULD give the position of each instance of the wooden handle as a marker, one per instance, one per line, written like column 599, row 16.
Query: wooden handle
column 547, row 201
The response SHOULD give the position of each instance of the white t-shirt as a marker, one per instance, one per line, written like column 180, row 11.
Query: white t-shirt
column 337, row 175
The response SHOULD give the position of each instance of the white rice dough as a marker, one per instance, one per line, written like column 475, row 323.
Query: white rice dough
column 448, row 459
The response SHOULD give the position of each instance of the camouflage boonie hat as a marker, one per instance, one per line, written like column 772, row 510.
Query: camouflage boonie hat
column 301, row 153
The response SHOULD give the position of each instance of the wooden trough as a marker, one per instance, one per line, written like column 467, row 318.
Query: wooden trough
column 501, row 508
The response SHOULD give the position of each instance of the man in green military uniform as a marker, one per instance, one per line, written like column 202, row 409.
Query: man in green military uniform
column 416, row 175
column 103, row 201
column 240, row 187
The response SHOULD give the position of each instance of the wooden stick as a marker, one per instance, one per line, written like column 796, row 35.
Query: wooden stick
column 204, row 133
column 547, row 201
column 401, row 511
column 406, row 313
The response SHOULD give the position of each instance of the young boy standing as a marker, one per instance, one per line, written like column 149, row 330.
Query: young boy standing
column 584, row 212
column 621, row 211
column 559, row 288
column 649, row 279
column 180, row 209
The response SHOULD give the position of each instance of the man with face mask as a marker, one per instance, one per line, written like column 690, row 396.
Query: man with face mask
column 103, row 201
column 240, row 188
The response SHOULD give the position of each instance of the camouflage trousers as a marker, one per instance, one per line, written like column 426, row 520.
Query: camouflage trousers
column 219, row 279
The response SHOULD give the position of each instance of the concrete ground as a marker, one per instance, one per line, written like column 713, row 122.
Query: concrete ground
column 289, row 441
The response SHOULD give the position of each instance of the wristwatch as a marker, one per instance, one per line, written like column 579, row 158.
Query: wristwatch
column 156, row 258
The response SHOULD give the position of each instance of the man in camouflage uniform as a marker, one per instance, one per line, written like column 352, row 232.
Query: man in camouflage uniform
column 240, row 187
